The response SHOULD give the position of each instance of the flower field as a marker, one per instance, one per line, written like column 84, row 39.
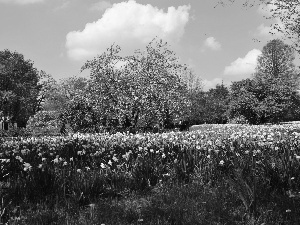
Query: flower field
column 255, row 163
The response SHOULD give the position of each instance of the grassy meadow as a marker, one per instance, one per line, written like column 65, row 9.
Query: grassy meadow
column 214, row 174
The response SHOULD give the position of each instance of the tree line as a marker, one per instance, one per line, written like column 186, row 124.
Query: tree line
column 147, row 90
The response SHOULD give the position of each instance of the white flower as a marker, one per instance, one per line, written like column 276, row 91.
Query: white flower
column 71, row 159
column 78, row 170
column 102, row 165
column 115, row 158
column 23, row 151
column 19, row 158
column 65, row 163
column 55, row 160
column 163, row 155
column 222, row 162
column 43, row 159
column 110, row 162
column 27, row 166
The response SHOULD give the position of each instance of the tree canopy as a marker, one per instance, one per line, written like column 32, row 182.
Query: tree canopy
column 144, row 89
column 19, row 87
column 270, row 94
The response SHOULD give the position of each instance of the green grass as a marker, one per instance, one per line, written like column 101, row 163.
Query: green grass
column 168, row 203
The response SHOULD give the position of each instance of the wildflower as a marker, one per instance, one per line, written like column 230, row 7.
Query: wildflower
column 208, row 156
column 110, row 162
column 163, row 155
column 19, row 158
column 288, row 210
column 151, row 150
column 27, row 166
column 92, row 206
column 115, row 158
column 55, row 160
column 102, row 165
column 247, row 152
column 43, row 159
column 71, row 159
column 24, row 151
column 40, row 166
column 65, row 163
column 87, row 168
column 78, row 170
column 222, row 162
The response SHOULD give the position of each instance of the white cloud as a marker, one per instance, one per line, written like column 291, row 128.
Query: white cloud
column 268, row 32
column 130, row 25
column 101, row 6
column 212, row 44
column 243, row 66
column 21, row 2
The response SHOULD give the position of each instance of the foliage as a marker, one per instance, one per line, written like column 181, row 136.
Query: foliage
column 243, row 102
column 15, row 132
column 19, row 87
column 139, row 90
column 272, row 92
column 210, row 106
column 44, row 123
column 238, row 120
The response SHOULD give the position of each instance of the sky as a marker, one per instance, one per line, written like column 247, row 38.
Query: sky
column 220, row 44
